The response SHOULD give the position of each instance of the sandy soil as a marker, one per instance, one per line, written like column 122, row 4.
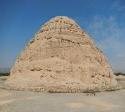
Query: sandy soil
column 26, row 101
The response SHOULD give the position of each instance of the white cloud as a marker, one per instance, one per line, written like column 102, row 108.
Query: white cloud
column 110, row 37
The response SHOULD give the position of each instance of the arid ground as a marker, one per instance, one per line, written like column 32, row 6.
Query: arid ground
column 26, row 101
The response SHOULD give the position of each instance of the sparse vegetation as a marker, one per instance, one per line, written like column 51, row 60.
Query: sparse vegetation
column 4, row 74
column 119, row 73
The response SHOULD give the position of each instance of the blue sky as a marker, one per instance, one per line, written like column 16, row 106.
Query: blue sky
column 104, row 20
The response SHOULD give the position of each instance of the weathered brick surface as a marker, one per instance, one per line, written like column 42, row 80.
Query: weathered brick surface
column 61, row 58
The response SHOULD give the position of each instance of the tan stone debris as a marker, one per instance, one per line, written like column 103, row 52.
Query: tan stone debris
column 61, row 58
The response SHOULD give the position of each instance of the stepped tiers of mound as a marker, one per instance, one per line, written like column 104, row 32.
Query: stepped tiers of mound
column 61, row 58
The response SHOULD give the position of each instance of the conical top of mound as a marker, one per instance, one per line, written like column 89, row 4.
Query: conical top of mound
column 60, row 22
column 61, row 58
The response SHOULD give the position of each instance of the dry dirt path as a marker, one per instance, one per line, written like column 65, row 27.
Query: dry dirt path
column 25, row 101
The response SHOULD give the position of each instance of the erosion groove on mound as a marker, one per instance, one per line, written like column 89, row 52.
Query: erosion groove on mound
column 61, row 58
